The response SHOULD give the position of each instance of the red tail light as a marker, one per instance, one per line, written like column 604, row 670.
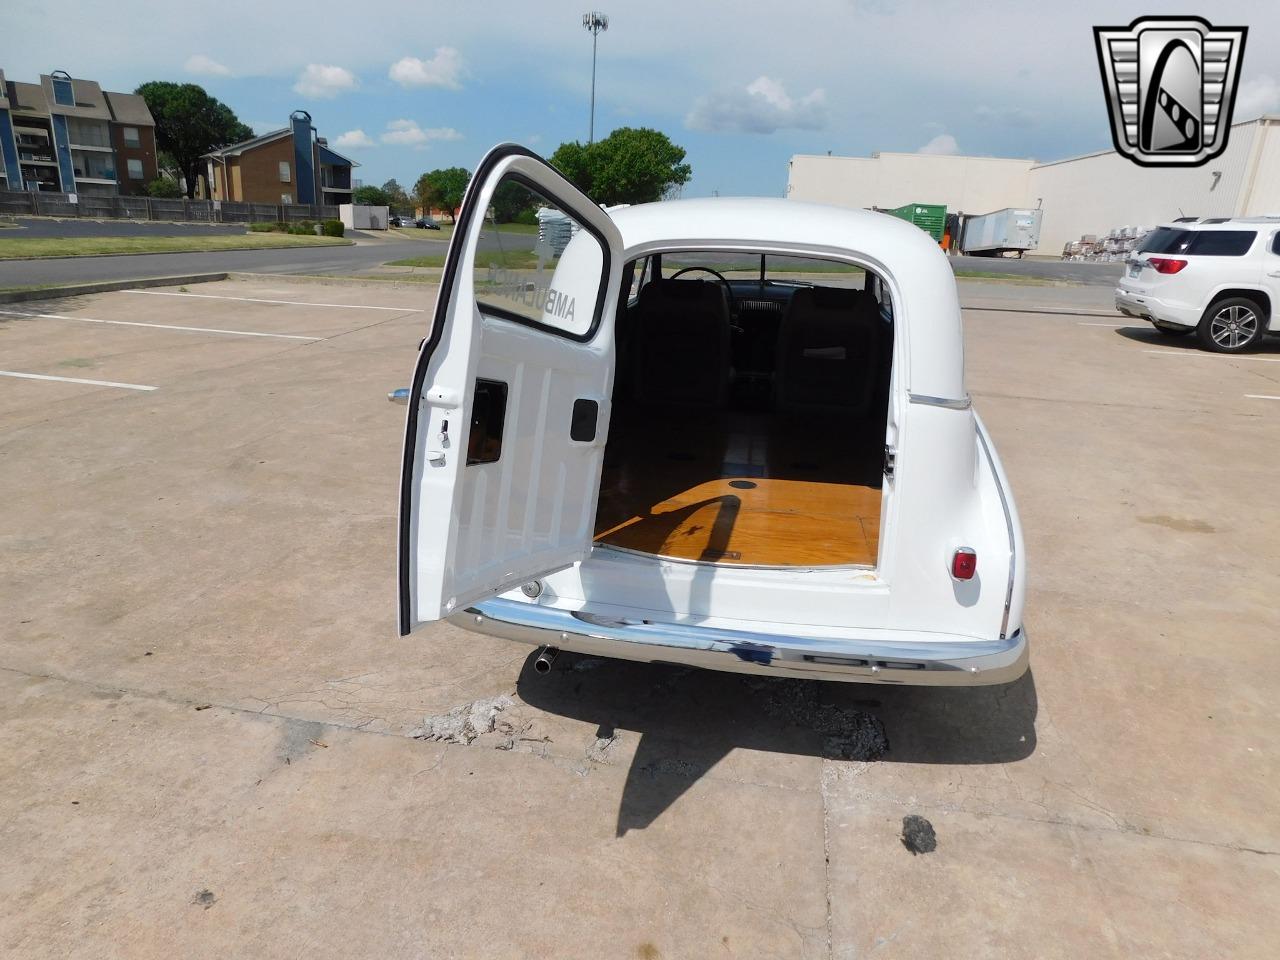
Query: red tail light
column 1166, row 264
column 964, row 564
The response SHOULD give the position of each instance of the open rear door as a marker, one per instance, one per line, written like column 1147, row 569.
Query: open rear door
column 509, row 408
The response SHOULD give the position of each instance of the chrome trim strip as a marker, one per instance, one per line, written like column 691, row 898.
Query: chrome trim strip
column 946, row 662
column 962, row 404
column 1008, row 523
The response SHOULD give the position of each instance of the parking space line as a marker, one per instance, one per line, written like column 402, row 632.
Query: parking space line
column 1210, row 356
column 159, row 326
column 1260, row 396
column 1129, row 324
column 293, row 303
column 92, row 383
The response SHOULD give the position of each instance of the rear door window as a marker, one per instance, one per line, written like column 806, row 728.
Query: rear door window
column 1222, row 243
column 1166, row 240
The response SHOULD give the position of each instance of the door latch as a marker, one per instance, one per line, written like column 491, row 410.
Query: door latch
column 890, row 461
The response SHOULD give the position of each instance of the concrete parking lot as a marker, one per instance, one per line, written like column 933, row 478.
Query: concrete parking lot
column 209, row 720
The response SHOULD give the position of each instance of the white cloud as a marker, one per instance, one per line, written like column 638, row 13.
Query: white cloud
column 444, row 69
column 408, row 133
column 944, row 144
column 763, row 106
column 353, row 140
column 1257, row 96
column 324, row 82
column 204, row 66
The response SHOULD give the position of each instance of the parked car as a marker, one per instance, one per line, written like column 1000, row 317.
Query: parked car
column 426, row 223
column 1218, row 278
column 397, row 221
column 670, row 443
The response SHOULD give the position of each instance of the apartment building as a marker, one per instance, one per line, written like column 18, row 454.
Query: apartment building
column 290, row 165
column 70, row 136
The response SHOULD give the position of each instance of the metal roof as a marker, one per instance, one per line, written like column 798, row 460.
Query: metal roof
column 129, row 108
column 235, row 149
column 27, row 98
column 90, row 102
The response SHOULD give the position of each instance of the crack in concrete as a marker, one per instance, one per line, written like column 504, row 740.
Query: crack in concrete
column 832, row 770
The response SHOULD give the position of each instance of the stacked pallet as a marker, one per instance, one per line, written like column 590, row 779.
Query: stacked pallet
column 1114, row 245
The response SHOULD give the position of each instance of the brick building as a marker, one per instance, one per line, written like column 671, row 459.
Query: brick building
column 71, row 136
column 290, row 165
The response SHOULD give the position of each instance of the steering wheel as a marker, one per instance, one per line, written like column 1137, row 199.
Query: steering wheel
column 733, row 304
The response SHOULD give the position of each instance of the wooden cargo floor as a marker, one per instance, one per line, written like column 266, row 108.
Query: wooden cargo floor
column 743, row 488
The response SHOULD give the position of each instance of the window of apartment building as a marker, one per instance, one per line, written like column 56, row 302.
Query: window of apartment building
column 285, row 176
column 63, row 94
column 131, row 138
column 135, row 169
column 286, row 198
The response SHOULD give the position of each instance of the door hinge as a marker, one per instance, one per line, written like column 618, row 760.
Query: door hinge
column 890, row 460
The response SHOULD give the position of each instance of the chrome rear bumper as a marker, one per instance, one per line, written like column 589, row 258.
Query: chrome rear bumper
column 958, row 662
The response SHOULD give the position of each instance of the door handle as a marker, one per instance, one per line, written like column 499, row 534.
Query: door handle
column 1273, row 273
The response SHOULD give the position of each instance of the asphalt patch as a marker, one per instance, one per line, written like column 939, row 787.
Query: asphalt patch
column 918, row 835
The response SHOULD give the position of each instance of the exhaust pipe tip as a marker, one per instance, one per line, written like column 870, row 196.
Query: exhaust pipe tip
column 546, row 657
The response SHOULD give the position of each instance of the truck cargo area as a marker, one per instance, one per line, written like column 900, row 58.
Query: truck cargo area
column 748, row 424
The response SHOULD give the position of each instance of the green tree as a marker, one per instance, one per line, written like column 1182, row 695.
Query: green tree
column 510, row 200
column 397, row 199
column 631, row 165
column 165, row 188
column 190, row 123
column 371, row 196
column 442, row 189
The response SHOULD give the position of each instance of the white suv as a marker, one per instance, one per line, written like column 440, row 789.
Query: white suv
column 1218, row 277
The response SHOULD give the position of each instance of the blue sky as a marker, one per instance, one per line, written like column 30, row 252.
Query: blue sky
column 406, row 87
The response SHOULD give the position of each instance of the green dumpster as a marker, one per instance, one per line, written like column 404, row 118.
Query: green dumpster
column 929, row 217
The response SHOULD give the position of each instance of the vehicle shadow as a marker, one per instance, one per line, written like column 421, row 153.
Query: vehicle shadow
column 689, row 720
column 1188, row 341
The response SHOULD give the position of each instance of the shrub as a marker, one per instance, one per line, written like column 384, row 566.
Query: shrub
column 529, row 216
column 267, row 227
column 333, row 228
column 302, row 227
column 164, row 188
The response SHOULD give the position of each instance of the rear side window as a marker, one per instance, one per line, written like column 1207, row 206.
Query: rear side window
column 1222, row 243
column 1205, row 243
column 1165, row 240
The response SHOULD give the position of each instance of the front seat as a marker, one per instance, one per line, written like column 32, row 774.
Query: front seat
column 682, row 343
column 828, row 351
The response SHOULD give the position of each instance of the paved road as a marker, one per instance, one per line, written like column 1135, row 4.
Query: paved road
column 307, row 260
column 363, row 256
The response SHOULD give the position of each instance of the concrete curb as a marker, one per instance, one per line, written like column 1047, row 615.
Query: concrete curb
column 1058, row 311
column 106, row 286
column 322, row 279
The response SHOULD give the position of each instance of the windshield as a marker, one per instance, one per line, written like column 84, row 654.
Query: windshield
column 769, row 268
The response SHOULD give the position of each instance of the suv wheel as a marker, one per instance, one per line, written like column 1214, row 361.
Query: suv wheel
column 1171, row 329
column 1231, row 326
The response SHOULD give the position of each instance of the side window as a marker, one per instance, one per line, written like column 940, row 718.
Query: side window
column 1222, row 243
column 284, row 171
column 1275, row 243
column 131, row 138
column 537, row 264
column 135, row 169
column 63, row 94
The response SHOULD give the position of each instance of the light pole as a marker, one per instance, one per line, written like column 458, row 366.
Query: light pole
column 594, row 23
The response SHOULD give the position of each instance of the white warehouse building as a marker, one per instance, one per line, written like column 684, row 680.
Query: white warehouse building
column 1093, row 194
